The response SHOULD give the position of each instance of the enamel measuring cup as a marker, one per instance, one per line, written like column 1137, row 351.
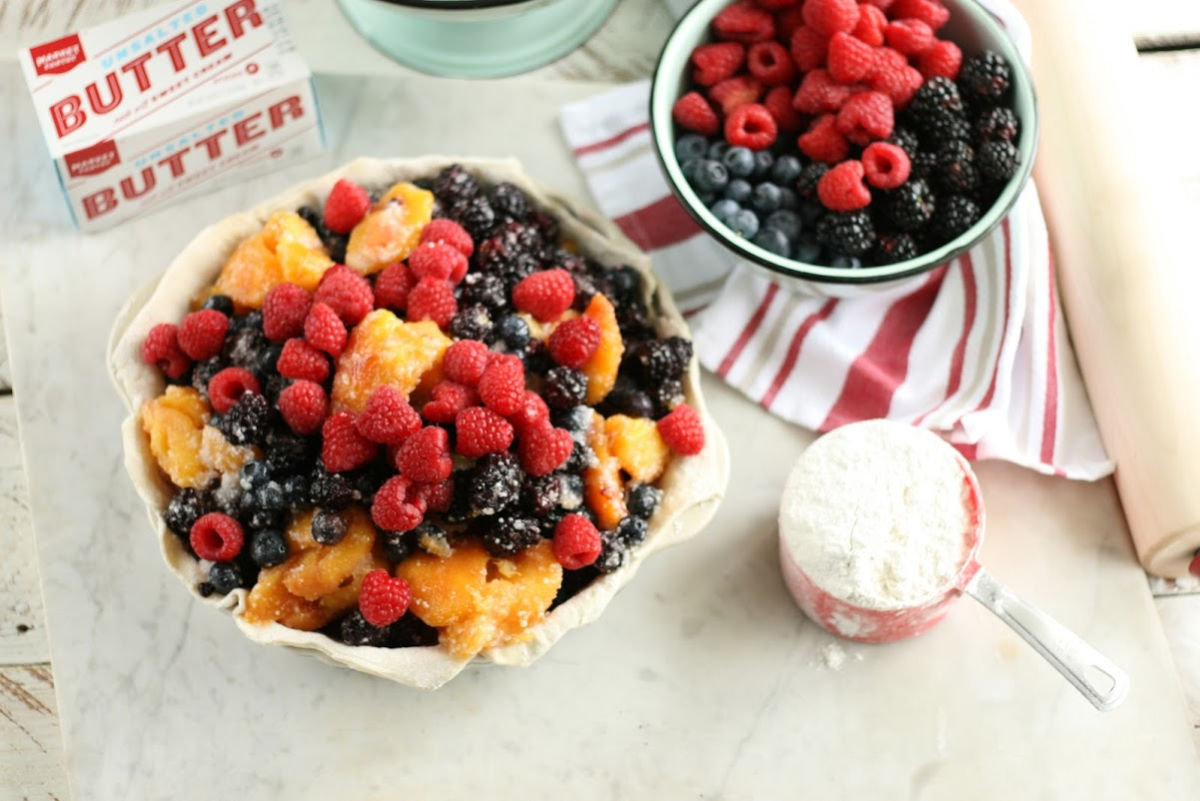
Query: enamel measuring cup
column 1077, row 661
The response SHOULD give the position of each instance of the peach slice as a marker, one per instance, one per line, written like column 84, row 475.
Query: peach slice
column 383, row 349
column 391, row 230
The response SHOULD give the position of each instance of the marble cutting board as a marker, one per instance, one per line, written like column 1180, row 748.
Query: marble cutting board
column 702, row 680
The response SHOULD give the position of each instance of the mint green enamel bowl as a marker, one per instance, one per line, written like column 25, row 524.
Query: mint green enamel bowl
column 971, row 27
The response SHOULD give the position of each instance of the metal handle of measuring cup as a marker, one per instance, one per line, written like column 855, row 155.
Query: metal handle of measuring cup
column 1069, row 654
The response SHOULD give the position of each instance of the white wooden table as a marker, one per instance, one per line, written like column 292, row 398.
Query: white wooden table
column 1167, row 31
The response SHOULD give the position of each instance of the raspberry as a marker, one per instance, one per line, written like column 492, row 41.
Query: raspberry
column 752, row 126
column 898, row 81
column 912, row 37
column 449, row 398
column 284, row 310
column 842, row 189
column 808, row 48
column 574, row 342
column 682, row 430
column 744, row 22
column 161, row 349
column 342, row 447
column 438, row 496
column 822, row 142
column 392, row 287
column 432, row 299
column 779, row 103
column 871, row 23
column 693, row 112
column 383, row 599
column 545, row 294
column 346, row 205
column 425, row 456
column 438, row 260
column 771, row 63
column 388, row 418
column 788, row 22
column 882, row 5
column 502, row 386
column 887, row 166
column 300, row 360
column 716, row 62
column 733, row 92
column 850, row 59
column 819, row 93
column 450, row 232
column 827, row 17
column 533, row 412
column 943, row 58
column 216, row 537
column 304, row 406
column 228, row 386
column 481, row 431
column 465, row 362
column 576, row 542
column 865, row 117
column 543, row 449
column 324, row 330
column 777, row 5
column 397, row 506
column 347, row 293
column 202, row 333
column 931, row 12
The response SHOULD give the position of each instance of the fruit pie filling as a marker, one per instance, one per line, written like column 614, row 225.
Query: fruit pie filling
column 415, row 417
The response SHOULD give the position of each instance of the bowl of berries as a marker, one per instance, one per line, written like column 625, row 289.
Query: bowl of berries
column 844, row 146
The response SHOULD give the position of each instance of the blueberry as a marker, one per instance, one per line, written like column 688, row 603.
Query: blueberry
column 328, row 527
column 225, row 577
column 786, row 170
column 845, row 262
column 788, row 199
column 764, row 160
column 688, row 168
column 718, row 149
column 808, row 251
column 811, row 212
column 738, row 189
column 707, row 198
column 765, row 198
column 774, row 240
column 711, row 176
column 222, row 303
column 643, row 500
column 786, row 222
column 724, row 210
column 744, row 223
column 632, row 531
column 268, row 547
column 397, row 545
column 513, row 332
column 691, row 146
column 576, row 419
column 254, row 474
column 740, row 161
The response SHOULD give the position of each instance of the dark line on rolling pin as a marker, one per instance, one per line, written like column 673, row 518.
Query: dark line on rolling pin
column 1149, row 48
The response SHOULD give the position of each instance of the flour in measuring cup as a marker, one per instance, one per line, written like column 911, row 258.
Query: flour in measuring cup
column 876, row 514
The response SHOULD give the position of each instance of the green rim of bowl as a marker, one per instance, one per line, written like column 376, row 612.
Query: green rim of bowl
column 670, row 79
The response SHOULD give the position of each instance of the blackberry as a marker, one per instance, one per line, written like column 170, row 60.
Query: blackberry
column 222, row 303
column 997, row 124
column 547, row 226
column 476, row 215
column 336, row 243
column 224, row 577
column 397, row 545
column 574, row 582
column 330, row 490
column 625, row 281
column 268, row 547
column 246, row 423
column 508, row 243
column 643, row 500
column 288, row 452
column 936, row 95
column 656, row 360
column 185, row 508
column 955, row 214
column 369, row 479
column 908, row 206
column 454, row 184
column 634, row 320
column 355, row 630
column 432, row 539
column 587, row 286
column 539, row 495
column 906, row 140
column 985, row 78
column 510, row 201
column 484, row 289
column 202, row 373
column 564, row 387
column 891, row 248
column 411, row 632
column 924, row 165
column 246, row 347
column 328, row 527
column 494, row 484
column 582, row 457
column 631, row 531
column 295, row 490
column 956, row 171
column 537, row 357
column 613, row 553
column 630, row 402
column 998, row 160
column 513, row 331
column 849, row 232
column 576, row 419
column 472, row 322
column 806, row 184
column 508, row 535
column 272, row 385
column 682, row 348
column 945, row 128
column 666, row 396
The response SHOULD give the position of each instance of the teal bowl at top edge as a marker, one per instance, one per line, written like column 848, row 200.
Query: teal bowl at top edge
column 971, row 27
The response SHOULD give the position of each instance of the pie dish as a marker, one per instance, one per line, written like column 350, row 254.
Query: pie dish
column 688, row 475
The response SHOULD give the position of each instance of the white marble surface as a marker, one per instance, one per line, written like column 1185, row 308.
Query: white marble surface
column 702, row 680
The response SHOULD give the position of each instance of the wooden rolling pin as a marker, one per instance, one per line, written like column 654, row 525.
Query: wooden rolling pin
column 1129, row 287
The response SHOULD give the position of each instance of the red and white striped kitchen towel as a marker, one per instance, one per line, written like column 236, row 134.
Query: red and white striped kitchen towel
column 975, row 350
